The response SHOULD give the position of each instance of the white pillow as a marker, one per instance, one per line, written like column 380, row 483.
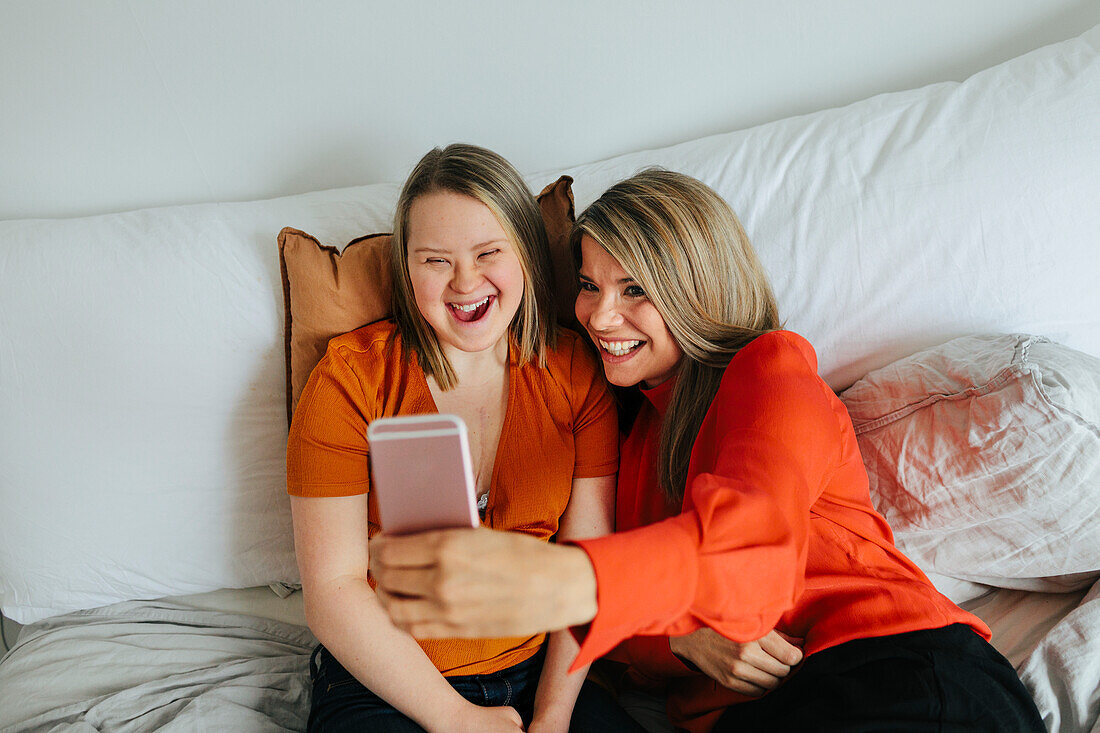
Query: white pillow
column 141, row 360
column 984, row 457
column 142, row 399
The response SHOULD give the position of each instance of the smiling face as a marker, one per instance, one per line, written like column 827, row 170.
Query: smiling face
column 466, row 278
column 634, row 342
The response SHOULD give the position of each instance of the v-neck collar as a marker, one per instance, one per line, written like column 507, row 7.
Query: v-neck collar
column 432, row 408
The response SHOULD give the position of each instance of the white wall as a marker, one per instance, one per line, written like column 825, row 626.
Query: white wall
column 107, row 105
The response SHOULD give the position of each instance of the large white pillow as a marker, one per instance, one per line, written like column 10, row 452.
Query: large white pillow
column 142, row 404
column 141, row 361
column 905, row 220
column 984, row 456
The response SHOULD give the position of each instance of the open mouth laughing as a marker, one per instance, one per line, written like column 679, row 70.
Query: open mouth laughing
column 472, row 312
column 619, row 349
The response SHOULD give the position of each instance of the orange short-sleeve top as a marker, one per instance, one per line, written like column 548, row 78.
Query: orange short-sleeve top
column 560, row 424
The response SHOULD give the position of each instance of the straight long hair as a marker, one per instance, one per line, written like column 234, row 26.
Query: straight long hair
column 483, row 175
column 685, row 246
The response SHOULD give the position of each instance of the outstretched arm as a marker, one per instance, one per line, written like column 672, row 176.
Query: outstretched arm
column 733, row 561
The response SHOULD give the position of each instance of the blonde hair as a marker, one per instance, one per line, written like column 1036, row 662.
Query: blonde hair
column 483, row 175
column 687, row 250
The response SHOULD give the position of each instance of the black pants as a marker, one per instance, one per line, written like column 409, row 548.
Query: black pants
column 947, row 679
column 341, row 704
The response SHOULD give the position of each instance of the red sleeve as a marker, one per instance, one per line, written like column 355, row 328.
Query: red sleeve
column 735, row 559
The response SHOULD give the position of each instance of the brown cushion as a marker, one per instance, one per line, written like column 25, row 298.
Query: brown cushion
column 327, row 292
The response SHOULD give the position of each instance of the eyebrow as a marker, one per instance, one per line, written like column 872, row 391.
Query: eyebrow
column 622, row 281
column 439, row 250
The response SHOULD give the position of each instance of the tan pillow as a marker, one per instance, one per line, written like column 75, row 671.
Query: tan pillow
column 327, row 292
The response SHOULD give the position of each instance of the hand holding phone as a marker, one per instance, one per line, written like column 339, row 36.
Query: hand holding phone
column 422, row 474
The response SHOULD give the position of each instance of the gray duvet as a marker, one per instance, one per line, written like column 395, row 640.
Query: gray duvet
column 154, row 665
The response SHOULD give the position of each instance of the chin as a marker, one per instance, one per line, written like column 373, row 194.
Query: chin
column 476, row 348
column 621, row 380
column 473, row 343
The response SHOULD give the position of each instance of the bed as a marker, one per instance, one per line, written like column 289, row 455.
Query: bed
column 938, row 247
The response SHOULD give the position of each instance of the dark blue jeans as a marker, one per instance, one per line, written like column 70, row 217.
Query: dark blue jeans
column 341, row 703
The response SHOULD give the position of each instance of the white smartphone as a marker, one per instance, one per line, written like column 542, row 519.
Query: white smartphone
column 422, row 475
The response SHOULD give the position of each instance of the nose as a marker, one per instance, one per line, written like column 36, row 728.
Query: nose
column 465, row 278
column 605, row 313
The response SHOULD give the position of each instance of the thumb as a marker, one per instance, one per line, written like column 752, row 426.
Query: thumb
column 783, row 648
column 792, row 640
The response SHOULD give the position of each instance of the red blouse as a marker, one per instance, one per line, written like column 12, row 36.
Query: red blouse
column 776, row 530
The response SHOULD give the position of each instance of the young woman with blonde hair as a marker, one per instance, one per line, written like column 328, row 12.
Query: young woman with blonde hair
column 742, row 507
column 473, row 334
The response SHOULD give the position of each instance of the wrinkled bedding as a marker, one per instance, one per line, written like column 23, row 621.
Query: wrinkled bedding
column 156, row 665
column 1063, row 672
column 172, row 666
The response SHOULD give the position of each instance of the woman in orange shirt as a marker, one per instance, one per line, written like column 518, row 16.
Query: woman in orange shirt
column 744, row 502
column 473, row 335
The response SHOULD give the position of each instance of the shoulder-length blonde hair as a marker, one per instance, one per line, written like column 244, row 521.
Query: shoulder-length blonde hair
column 483, row 175
column 686, row 248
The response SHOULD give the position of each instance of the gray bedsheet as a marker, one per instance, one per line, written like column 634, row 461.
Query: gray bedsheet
column 155, row 665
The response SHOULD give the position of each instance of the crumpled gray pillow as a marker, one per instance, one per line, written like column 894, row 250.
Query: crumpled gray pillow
column 984, row 456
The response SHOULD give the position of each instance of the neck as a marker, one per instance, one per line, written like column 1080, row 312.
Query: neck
column 479, row 367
